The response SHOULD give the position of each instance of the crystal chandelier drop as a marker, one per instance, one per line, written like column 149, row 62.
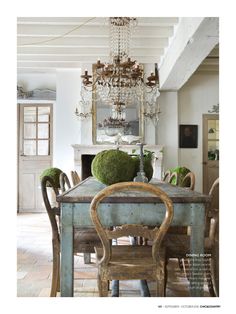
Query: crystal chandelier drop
column 121, row 81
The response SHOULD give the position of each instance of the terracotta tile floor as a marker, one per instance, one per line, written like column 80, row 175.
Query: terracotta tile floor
column 34, row 266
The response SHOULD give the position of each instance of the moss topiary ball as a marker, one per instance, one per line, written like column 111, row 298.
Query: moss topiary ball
column 112, row 166
column 182, row 171
column 53, row 173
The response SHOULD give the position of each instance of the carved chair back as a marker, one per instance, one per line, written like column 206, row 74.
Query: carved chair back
column 167, row 175
column 52, row 212
column 75, row 177
column 106, row 234
column 172, row 178
column 64, row 181
column 189, row 181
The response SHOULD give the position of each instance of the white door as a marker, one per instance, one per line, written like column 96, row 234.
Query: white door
column 35, row 153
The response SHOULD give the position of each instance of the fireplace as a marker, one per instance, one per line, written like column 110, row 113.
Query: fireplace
column 84, row 154
column 86, row 165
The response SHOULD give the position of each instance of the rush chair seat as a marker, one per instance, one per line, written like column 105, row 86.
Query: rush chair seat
column 178, row 245
column 84, row 240
column 124, row 262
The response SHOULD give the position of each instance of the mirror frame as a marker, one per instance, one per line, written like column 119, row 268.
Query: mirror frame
column 94, row 119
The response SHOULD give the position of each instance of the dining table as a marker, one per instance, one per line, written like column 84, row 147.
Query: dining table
column 132, row 207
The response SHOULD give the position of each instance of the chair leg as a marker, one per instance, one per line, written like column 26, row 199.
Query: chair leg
column 59, row 272
column 55, row 270
column 165, row 275
column 186, row 267
column 215, row 267
column 161, row 279
column 87, row 258
column 208, row 274
column 102, row 287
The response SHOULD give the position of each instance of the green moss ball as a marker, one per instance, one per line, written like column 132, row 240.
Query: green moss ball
column 53, row 173
column 112, row 166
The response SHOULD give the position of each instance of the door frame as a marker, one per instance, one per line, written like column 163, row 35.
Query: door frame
column 22, row 102
column 205, row 118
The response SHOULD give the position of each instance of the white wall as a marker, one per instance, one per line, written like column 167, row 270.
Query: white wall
column 168, row 128
column 195, row 98
column 30, row 81
column 67, row 129
column 66, row 126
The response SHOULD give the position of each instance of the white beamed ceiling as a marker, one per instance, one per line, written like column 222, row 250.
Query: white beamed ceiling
column 85, row 44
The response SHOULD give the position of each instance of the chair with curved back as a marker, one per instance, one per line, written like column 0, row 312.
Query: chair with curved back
column 189, row 181
column 171, row 177
column 178, row 245
column 88, row 233
column 124, row 262
column 75, row 177
column 64, row 181
column 81, row 239
column 166, row 176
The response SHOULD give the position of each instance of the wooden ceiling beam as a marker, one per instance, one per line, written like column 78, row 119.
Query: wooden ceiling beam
column 194, row 40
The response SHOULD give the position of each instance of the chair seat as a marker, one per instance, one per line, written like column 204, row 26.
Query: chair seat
column 85, row 240
column 178, row 245
column 130, row 262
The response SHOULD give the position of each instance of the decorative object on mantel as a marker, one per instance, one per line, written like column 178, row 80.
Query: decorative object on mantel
column 121, row 82
column 112, row 166
column 215, row 109
column 36, row 94
column 129, row 139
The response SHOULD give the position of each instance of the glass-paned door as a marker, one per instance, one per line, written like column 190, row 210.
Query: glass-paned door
column 211, row 152
column 35, row 153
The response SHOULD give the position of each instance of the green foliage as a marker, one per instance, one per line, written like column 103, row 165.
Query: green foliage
column 112, row 166
column 182, row 171
column 53, row 173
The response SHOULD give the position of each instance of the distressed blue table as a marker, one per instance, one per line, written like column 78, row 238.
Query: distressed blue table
column 133, row 207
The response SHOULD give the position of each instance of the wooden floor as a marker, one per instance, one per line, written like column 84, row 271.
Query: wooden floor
column 34, row 266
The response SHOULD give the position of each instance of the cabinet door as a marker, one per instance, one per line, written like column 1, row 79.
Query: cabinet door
column 211, row 153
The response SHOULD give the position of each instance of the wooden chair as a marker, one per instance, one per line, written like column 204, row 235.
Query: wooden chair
column 63, row 179
column 91, row 232
column 189, row 181
column 169, row 177
column 178, row 245
column 75, row 177
column 123, row 262
column 84, row 240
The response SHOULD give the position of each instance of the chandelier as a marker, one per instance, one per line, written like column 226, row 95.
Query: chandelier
column 121, row 81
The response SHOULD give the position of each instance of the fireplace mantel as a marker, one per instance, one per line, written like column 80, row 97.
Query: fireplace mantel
column 80, row 150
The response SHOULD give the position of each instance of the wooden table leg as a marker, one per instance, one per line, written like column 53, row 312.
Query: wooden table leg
column 197, row 250
column 67, row 256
